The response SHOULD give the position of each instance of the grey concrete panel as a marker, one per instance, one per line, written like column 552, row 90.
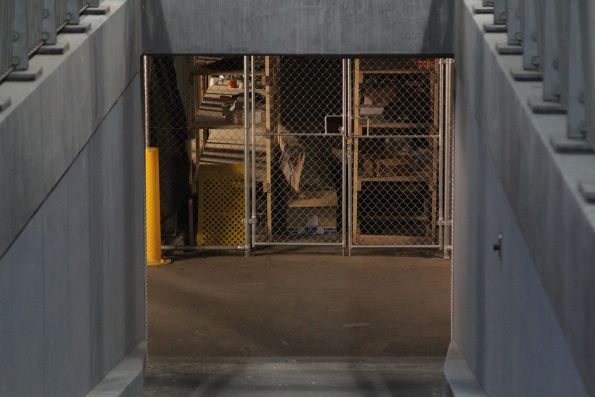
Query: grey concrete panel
column 79, row 270
column 72, row 302
column 52, row 118
column 559, row 226
column 504, row 324
column 298, row 27
column 126, row 378
column 56, row 339
column 460, row 379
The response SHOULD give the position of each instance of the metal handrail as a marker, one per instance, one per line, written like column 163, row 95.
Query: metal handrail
column 558, row 41
column 26, row 25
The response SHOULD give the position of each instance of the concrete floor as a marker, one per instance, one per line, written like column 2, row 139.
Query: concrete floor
column 403, row 377
column 279, row 322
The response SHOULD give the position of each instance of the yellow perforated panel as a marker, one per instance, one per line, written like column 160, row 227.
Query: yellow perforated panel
column 220, row 205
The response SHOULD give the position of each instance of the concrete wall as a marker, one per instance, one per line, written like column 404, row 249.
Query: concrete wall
column 72, row 283
column 72, row 209
column 523, row 323
column 298, row 27
column 504, row 323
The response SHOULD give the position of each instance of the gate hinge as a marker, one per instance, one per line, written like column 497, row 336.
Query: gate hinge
column 444, row 223
column 249, row 221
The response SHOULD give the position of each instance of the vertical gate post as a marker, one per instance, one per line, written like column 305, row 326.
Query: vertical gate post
column 441, row 152
column 349, row 159
column 246, row 163
column 252, row 152
column 344, row 122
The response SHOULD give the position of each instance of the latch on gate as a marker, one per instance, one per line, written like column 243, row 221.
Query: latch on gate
column 250, row 221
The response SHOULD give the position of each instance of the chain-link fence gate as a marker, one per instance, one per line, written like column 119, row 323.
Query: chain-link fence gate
column 293, row 150
column 396, row 140
column 299, row 189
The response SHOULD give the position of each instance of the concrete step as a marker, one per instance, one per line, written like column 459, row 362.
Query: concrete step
column 303, row 376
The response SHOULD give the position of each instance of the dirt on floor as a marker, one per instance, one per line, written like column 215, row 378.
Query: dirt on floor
column 294, row 304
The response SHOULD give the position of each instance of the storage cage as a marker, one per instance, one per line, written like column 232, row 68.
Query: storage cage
column 347, row 152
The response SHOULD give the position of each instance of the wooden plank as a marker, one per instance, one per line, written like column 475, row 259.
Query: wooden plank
column 398, row 178
column 436, row 80
column 315, row 200
column 356, row 184
column 395, row 71
column 393, row 125
column 369, row 239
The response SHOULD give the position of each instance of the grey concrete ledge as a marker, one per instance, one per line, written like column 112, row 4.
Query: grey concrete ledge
column 460, row 379
column 51, row 118
column 341, row 27
column 541, row 185
column 126, row 379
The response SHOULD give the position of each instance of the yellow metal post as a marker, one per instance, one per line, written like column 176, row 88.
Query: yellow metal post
column 153, row 208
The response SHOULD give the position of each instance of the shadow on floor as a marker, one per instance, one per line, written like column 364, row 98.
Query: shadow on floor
column 404, row 377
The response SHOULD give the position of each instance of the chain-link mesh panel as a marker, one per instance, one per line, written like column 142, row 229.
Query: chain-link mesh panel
column 297, row 107
column 168, row 130
column 299, row 187
column 196, row 119
column 396, row 157
column 219, row 149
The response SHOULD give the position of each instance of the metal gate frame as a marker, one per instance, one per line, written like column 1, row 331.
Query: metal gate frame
column 250, row 163
column 345, row 137
column 446, row 156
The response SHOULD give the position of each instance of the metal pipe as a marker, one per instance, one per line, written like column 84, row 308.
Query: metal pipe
column 253, row 151
column 146, row 64
column 447, row 164
column 297, row 244
column 441, row 110
column 246, row 163
column 343, row 155
column 396, row 136
column 319, row 134
column 202, row 248
column 396, row 246
column 349, row 162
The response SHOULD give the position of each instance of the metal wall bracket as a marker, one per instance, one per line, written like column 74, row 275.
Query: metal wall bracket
column 54, row 49
column 30, row 74
column 565, row 145
column 494, row 28
column 539, row 106
column 483, row 10
column 78, row 28
column 100, row 10
column 587, row 190
column 526, row 75
column 507, row 49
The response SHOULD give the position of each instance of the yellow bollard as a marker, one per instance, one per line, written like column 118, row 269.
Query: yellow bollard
column 153, row 208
